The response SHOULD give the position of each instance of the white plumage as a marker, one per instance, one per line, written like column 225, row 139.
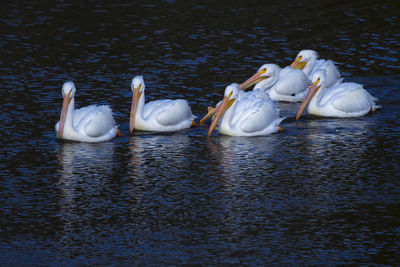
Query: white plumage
column 341, row 100
column 88, row 124
column 253, row 114
column 285, row 84
column 307, row 60
column 161, row 115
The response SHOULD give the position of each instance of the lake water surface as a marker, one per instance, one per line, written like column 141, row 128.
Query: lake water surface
column 321, row 192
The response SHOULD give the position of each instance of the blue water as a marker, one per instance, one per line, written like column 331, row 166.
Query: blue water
column 321, row 192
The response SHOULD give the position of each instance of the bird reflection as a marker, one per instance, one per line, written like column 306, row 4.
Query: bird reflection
column 334, row 136
column 159, row 155
column 84, row 171
column 81, row 161
column 332, row 152
column 244, row 159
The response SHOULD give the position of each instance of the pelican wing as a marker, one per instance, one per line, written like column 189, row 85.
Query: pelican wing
column 98, row 122
column 261, row 116
column 357, row 101
column 292, row 83
column 245, row 105
column 174, row 112
column 154, row 107
column 82, row 114
column 254, row 113
column 350, row 98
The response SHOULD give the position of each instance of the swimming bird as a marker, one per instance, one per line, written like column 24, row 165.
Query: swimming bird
column 341, row 100
column 251, row 115
column 280, row 85
column 285, row 84
column 307, row 60
column 88, row 124
column 161, row 115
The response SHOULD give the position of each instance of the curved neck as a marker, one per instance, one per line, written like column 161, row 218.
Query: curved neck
column 140, row 106
column 227, row 118
column 317, row 97
column 69, row 118
column 267, row 83
column 309, row 66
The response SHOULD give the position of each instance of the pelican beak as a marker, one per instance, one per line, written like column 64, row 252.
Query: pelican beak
column 254, row 79
column 298, row 64
column 135, row 100
column 211, row 112
column 226, row 103
column 311, row 92
column 66, row 101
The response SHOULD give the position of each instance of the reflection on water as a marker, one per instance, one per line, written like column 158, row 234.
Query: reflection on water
column 241, row 158
column 321, row 192
column 344, row 138
column 159, row 155
column 85, row 171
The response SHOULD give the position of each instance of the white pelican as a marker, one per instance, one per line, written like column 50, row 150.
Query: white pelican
column 89, row 124
column 341, row 100
column 307, row 60
column 161, row 115
column 286, row 84
column 251, row 115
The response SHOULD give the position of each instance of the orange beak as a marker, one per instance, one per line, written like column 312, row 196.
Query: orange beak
column 253, row 80
column 297, row 64
column 226, row 103
column 211, row 112
column 311, row 92
column 135, row 100
column 66, row 101
column 294, row 64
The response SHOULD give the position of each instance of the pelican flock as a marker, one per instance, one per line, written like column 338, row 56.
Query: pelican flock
column 317, row 83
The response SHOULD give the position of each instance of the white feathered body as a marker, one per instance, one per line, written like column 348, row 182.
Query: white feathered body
column 253, row 114
column 342, row 100
column 89, row 124
column 292, row 86
column 163, row 115
column 287, row 84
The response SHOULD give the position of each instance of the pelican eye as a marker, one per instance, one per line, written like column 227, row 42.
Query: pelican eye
column 299, row 58
column 263, row 71
column 318, row 80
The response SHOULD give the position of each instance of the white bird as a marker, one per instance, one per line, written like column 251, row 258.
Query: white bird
column 88, row 124
column 307, row 60
column 285, row 84
column 251, row 115
column 341, row 100
column 161, row 115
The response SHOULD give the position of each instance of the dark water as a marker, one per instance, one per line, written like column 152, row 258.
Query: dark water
column 323, row 191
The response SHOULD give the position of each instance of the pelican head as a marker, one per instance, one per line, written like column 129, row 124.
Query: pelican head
column 317, row 81
column 261, row 76
column 68, row 88
column 230, row 95
column 68, row 91
column 137, row 87
column 305, row 60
